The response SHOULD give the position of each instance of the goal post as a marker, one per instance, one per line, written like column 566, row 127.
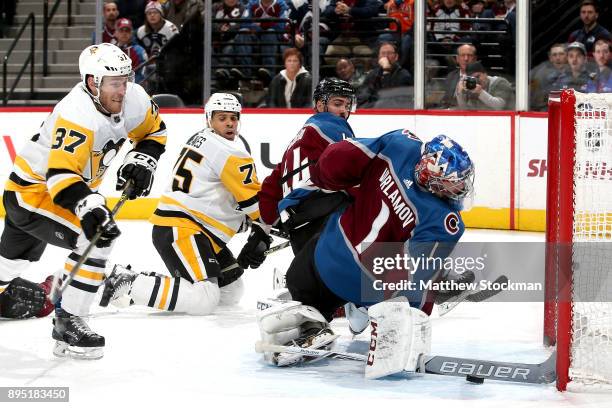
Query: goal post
column 578, row 291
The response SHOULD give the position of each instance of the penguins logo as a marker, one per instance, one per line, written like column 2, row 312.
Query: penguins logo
column 100, row 160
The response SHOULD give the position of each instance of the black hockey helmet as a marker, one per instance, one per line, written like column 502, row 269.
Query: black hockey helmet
column 334, row 87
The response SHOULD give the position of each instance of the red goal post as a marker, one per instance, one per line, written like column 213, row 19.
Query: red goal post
column 578, row 287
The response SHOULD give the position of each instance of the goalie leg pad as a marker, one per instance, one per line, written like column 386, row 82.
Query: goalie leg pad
column 400, row 335
column 287, row 315
column 286, row 322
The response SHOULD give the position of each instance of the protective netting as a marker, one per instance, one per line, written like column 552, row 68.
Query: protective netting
column 591, row 351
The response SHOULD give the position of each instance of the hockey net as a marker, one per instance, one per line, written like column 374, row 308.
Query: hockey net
column 578, row 305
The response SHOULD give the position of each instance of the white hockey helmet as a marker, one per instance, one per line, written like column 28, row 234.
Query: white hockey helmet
column 102, row 60
column 221, row 102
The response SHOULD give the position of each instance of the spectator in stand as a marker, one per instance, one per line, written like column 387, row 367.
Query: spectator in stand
column 271, row 36
column 478, row 10
column 577, row 76
column 291, row 88
column 110, row 13
column 591, row 30
column 137, row 54
column 402, row 11
column 511, row 17
column 181, row 11
column 466, row 54
column 601, row 80
column 545, row 76
column 449, row 9
column 300, row 12
column 7, row 15
column 346, row 70
column 348, row 37
column 388, row 74
column 480, row 91
column 133, row 10
column 156, row 31
column 224, row 35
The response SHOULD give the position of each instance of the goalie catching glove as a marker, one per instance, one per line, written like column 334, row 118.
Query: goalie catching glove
column 94, row 216
column 138, row 167
column 253, row 253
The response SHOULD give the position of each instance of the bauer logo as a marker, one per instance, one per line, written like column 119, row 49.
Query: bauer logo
column 484, row 370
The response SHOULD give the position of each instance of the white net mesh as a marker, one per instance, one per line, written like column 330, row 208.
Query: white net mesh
column 591, row 353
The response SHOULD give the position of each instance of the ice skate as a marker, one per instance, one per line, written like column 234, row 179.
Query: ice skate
column 74, row 338
column 118, row 286
column 357, row 317
column 316, row 337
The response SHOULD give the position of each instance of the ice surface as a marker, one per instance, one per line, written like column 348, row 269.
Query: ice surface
column 161, row 359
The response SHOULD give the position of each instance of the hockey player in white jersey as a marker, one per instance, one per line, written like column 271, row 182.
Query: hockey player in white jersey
column 51, row 195
column 212, row 193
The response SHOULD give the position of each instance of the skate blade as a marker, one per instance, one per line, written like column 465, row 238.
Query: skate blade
column 64, row 350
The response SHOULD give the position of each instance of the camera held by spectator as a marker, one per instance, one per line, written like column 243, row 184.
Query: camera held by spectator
column 470, row 83
column 478, row 90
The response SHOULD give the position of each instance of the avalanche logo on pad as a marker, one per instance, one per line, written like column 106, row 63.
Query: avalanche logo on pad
column 451, row 223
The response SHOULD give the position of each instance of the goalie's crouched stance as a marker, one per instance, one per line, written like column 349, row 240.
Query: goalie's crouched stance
column 400, row 335
column 409, row 192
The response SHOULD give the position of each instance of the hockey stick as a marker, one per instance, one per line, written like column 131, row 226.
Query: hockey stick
column 56, row 292
column 539, row 373
column 268, row 252
column 471, row 296
column 277, row 248
column 261, row 347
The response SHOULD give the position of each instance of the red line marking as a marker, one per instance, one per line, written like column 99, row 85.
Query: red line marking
column 10, row 147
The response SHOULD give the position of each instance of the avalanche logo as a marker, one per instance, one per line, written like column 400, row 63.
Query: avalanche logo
column 451, row 223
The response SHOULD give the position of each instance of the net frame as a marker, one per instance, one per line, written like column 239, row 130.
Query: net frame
column 578, row 291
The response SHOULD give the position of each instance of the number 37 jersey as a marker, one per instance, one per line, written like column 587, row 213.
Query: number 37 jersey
column 76, row 143
column 213, row 187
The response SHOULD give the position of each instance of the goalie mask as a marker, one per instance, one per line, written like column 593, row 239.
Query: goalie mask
column 103, row 60
column 445, row 169
column 224, row 102
column 329, row 87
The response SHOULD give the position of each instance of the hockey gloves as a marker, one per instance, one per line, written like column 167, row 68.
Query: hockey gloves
column 22, row 299
column 138, row 167
column 94, row 216
column 253, row 253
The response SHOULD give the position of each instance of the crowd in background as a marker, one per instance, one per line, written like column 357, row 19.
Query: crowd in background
column 264, row 47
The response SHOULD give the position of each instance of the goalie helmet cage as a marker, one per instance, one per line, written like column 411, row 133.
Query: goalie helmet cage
column 578, row 291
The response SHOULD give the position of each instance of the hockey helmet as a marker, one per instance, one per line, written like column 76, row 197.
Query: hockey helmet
column 222, row 102
column 103, row 60
column 445, row 169
column 329, row 87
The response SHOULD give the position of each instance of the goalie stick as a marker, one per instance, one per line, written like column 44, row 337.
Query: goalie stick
column 55, row 292
column 471, row 296
column 539, row 373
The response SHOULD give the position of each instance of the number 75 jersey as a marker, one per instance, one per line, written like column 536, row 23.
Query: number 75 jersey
column 213, row 187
